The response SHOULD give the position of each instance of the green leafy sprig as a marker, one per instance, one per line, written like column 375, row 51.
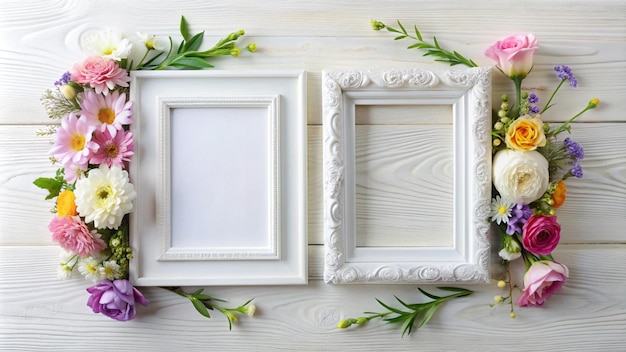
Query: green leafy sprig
column 417, row 312
column 204, row 303
column 187, row 55
column 434, row 49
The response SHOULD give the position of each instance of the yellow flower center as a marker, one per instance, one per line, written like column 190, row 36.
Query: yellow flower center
column 111, row 150
column 106, row 115
column 78, row 142
column 103, row 194
column 108, row 271
column 502, row 210
column 92, row 269
column 108, row 51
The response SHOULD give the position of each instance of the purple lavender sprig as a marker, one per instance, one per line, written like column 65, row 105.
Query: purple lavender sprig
column 565, row 74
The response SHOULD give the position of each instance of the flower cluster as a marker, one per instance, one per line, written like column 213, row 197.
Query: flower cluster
column 530, row 166
column 93, row 146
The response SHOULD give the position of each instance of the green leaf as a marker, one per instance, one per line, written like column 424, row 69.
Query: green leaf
column 53, row 186
column 428, row 294
column 429, row 314
column 454, row 289
column 408, row 325
column 191, row 62
column 200, row 307
column 417, row 33
column 397, row 311
column 399, row 37
column 184, row 28
column 197, row 292
column 194, row 43
column 402, row 28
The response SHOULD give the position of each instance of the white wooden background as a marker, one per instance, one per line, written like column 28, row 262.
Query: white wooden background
column 39, row 40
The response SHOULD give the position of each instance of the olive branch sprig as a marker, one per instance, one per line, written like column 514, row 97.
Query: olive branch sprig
column 203, row 303
column 417, row 312
column 434, row 49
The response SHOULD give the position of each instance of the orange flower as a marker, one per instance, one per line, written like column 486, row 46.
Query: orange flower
column 525, row 133
column 559, row 194
column 65, row 204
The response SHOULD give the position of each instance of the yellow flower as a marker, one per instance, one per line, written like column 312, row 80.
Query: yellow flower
column 65, row 204
column 525, row 133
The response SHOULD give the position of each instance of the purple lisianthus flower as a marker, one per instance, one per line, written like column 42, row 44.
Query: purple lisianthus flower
column 115, row 299
column 574, row 149
column 533, row 98
column 533, row 110
column 65, row 79
column 520, row 213
column 565, row 73
column 577, row 171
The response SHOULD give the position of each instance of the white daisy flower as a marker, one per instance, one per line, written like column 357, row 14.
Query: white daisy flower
column 66, row 266
column 90, row 269
column 150, row 41
column 104, row 196
column 107, row 44
column 500, row 210
column 111, row 270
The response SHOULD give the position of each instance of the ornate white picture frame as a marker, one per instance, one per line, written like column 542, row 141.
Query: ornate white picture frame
column 466, row 163
column 220, row 175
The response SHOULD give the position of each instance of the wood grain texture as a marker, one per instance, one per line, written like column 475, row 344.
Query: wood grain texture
column 40, row 40
column 40, row 312
column 404, row 185
column 595, row 210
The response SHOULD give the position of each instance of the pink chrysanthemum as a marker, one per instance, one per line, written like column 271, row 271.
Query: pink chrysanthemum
column 109, row 112
column 73, row 146
column 72, row 234
column 100, row 73
column 113, row 151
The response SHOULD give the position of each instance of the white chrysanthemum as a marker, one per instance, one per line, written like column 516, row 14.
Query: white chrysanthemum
column 90, row 269
column 104, row 196
column 111, row 270
column 107, row 44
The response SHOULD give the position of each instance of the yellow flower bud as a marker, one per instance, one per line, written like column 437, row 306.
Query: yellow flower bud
column 512, row 315
column 498, row 299
column 344, row 323
column 361, row 320
column 250, row 311
column 377, row 25
column 68, row 91
column 498, row 126
column 594, row 103
column 235, row 52
column 251, row 47
column 501, row 284
column 496, row 142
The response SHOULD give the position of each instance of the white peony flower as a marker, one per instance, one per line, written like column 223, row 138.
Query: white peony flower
column 107, row 44
column 520, row 177
column 104, row 196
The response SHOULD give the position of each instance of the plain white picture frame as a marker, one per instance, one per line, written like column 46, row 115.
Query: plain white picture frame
column 468, row 91
column 220, row 174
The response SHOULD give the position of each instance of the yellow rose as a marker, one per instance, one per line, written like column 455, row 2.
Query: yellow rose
column 525, row 133
column 65, row 204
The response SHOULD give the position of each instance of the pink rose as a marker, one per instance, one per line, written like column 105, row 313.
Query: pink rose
column 100, row 73
column 72, row 234
column 542, row 280
column 541, row 234
column 514, row 54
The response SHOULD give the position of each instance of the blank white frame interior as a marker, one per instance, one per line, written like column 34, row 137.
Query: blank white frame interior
column 468, row 92
column 220, row 174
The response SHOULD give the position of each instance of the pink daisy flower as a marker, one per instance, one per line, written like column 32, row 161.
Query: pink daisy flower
column 72, row 234
column 109, row 112
column 73, row 146
column 113, row 151
column 100, row 73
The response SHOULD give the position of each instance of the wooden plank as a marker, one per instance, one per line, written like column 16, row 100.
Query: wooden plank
column 594, row 210
column 38, row 311
column 42, row 42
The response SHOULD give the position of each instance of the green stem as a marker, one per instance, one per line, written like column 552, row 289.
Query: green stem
column 552, row 97
column 566, row 124
column 518, row 96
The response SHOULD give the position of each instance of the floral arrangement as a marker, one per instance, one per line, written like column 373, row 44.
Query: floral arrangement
column 93, row 147
column 530, row 167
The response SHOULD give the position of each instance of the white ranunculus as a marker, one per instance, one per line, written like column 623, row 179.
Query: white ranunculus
column 520, row 176
column 104, row 196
